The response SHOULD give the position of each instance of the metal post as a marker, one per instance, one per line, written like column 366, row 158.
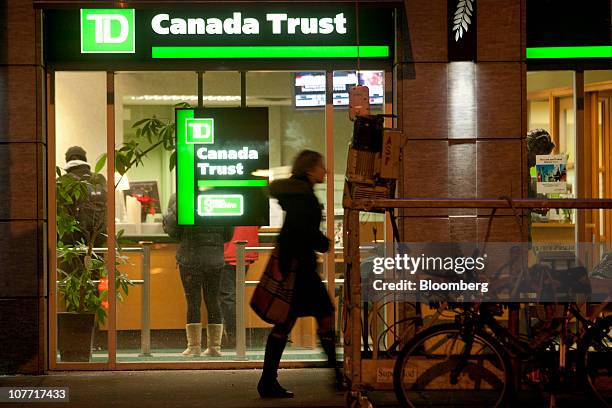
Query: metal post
column 200, row 89
column 145, row 330
column 240, row 324
column 242, row 89
column 330, row 259
column 579, row 163
column 353, row 302
column 111, row 255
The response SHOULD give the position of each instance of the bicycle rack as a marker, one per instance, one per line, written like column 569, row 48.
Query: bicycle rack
column 365, row 374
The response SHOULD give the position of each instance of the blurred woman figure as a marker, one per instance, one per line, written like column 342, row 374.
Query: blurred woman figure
column 298, row 241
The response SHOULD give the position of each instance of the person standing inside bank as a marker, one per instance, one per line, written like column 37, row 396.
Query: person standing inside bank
column 200, row 260
column 90, row 209
column 227, row 293
column 299, row 239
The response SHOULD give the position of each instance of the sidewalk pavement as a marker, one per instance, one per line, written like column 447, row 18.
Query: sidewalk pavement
column 185, row 388
column 215, row 389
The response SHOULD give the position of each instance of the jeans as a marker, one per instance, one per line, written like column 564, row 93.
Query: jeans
column 195, row 280
column 227, row 299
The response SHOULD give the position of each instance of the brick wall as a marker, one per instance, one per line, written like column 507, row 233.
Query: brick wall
column 22, row 196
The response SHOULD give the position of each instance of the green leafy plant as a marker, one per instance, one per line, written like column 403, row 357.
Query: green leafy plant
column 158, row 133
column 81, row 269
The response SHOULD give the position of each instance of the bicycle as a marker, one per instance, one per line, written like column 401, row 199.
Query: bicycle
column 470, row 361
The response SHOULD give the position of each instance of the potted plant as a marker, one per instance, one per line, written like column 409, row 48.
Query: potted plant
column 82, row 272
column 81, row 269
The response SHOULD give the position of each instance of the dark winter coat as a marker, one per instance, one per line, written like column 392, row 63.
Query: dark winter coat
column 299, row 239
column 90, row 210
column 198, row 245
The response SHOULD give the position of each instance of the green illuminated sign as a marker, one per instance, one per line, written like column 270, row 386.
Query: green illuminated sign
column 220, row 205
column 304, row 51
column 232, row 183
column 596, row 51
column 107, row 31
column 218, row 31
column 218, row 152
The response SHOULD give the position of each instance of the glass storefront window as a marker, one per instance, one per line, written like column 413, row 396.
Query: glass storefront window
column 343, row 133
column 142, row 195
column 80, row 190
column 295, row 124
column 598, row 168
column 372, row 225
column 153, row 317
column 221, row 89
column 551, row 107
column 550, row 96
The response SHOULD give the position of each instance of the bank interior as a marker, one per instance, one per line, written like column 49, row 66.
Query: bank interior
column 295, row 102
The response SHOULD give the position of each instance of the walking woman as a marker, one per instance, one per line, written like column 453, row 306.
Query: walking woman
column 299, row 238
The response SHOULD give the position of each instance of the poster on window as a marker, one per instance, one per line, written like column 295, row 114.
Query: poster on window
column 551, row 173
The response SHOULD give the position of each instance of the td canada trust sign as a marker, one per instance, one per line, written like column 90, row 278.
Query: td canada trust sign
column 218, row 31
column 113, row 30
column 222, row 162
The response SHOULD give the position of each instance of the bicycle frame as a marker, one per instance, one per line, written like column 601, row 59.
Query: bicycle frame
column 481, row 319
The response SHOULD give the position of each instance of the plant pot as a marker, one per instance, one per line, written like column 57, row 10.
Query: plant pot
column 75, row 333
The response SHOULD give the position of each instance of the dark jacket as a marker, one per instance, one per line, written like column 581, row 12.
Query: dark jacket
column 90, row 210
column 198, row 245
column 299, row 239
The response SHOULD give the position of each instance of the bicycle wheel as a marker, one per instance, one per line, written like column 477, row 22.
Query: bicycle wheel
column 595, row 361
column 423, row 374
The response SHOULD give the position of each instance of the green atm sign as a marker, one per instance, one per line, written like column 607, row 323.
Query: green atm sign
column 108, row 31
column 219, row 151
column 220, row 205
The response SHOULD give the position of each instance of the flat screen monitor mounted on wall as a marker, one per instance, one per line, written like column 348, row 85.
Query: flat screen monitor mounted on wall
column 310, row 87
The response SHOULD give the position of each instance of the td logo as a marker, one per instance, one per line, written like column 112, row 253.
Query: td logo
column 107, row 31
column 200, row 131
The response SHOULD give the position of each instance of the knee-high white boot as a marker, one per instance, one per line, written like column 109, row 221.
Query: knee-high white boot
column 213, row 340
column 194, row 339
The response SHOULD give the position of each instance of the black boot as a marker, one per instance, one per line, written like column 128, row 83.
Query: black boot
column 268, row 386
column 328, row 342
